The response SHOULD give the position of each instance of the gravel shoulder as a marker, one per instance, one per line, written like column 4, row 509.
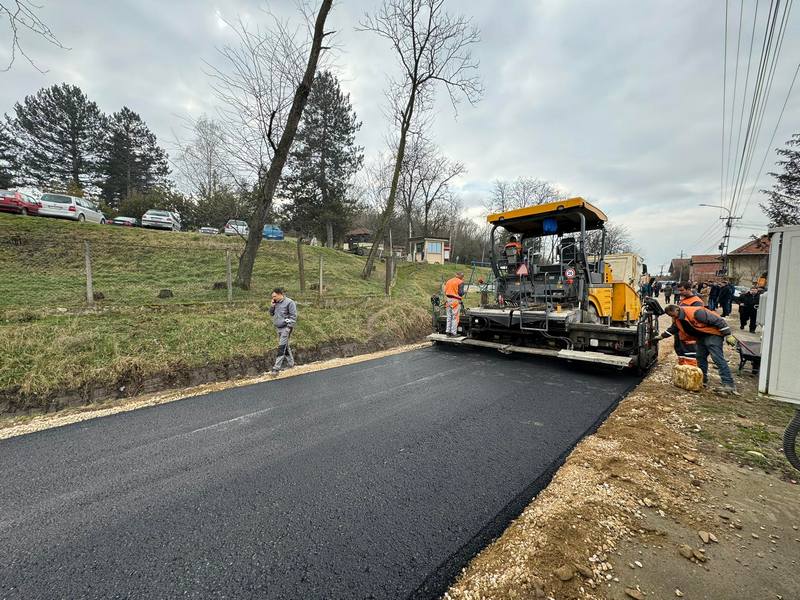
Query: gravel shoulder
column 678, row 494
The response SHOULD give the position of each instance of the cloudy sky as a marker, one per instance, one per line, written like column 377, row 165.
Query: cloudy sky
column 618, row 101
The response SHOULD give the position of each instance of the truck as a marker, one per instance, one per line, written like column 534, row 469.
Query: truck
column 626, row 267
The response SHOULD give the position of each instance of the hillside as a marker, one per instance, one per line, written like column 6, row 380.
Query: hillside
column 56, row 350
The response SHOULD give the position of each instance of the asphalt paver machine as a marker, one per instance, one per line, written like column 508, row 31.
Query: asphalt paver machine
column 548, row 299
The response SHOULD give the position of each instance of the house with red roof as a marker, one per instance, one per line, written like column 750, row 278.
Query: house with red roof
column 748, row 263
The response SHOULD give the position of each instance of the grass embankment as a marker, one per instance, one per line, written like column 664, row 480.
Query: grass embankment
column 53, row 344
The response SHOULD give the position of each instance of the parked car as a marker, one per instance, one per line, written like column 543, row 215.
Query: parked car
column 70, row 207
column 161, row 219
column 272, row 232
column 125, row 221
column 209, row 230
column 234, row 227
column 18, row 201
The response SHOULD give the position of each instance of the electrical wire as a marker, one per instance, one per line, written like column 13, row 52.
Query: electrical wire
column 766, row 45
column 771, row 139
column 724, row 107
column 782, row 34
column 735, row 85
column 761, row 109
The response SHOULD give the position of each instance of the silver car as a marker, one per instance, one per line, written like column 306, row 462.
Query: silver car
column 161, row 219
column 70, row 207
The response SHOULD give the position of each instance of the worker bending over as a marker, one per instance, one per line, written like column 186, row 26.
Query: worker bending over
column 453, row 290
column 709, row 330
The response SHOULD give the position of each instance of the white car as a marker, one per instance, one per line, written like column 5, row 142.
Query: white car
column 209, row 230
column 70, row 207
column 234, row 227
column 161, row 219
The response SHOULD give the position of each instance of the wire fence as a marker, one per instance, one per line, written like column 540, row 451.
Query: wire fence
column 37, row 272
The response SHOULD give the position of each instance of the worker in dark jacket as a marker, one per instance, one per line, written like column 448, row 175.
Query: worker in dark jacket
column 709, row 329
column 284, row 317
column 726, row 298
column 713, row 296
column 748, row 308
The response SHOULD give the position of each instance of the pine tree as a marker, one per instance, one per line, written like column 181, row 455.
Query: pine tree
column 323, row 159
column 783, row 206
column 57, row 131
column 9, row 164
column 131, row 159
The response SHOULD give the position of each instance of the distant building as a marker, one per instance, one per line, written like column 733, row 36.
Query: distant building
column 428, row 249
column 704, row 267
column 747, row 264
column 679, row 269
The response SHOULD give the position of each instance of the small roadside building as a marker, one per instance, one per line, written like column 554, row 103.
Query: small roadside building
column 428, row 249
column 679, row 269
column 747, row 264
column 705, row 267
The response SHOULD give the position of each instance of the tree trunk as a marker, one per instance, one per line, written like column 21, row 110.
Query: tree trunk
column 398, row 164
column 257, row 221
column 329, row 234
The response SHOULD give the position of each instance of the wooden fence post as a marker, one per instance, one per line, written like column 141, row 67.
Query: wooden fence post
column 388, row 286
column 89, row 283
column 229, row 279
column 301, row 265
column 320, row 276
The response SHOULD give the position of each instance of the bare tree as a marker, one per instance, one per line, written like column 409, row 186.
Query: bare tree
column 438, row 172
column 202, row 162
column 21, row 16
column 433, row 48
column 618, row 240
column 263, row 92
column 500, row 198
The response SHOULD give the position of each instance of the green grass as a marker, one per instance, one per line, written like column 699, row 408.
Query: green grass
column 50, row 342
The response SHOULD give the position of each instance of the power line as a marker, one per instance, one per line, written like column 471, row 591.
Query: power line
column 735, row 85
column 766, row 44
column 781, row 36
column 724, row 106
column 746, row 79
column 762, row 102
column 771, row 139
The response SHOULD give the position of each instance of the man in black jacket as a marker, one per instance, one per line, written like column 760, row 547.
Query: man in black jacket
column 748, row 308
column 726, row 298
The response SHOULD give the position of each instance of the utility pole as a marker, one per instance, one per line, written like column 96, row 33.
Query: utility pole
column 726, row 238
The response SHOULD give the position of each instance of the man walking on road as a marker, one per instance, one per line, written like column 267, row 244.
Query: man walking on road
column 748, row 308
column 709, row 330
column 284, row 317
column 667, row 292
column 726, row 298
column 453, row 291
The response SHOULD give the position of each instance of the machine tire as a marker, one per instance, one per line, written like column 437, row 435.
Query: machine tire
column 790, row 441
column 81, row 218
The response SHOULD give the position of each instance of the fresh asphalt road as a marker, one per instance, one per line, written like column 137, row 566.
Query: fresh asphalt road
column 374, row 480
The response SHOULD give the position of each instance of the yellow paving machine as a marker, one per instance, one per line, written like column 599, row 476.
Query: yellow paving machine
column 547, row 298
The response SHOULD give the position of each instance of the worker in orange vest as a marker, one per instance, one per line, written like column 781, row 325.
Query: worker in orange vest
column 709, row 330
column 688, row 296
column 453, row 291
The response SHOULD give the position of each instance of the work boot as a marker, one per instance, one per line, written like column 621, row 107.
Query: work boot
column 273, row 373
column 727, row 390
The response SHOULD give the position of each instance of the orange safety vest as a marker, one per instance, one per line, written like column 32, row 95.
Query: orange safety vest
column 451, row 288
column 691, row 301
column 688, row 312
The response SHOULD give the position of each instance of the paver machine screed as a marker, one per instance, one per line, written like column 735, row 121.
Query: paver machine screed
column 548, row 299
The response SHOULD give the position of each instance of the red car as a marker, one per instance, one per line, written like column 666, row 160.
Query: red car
column 18, row 202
